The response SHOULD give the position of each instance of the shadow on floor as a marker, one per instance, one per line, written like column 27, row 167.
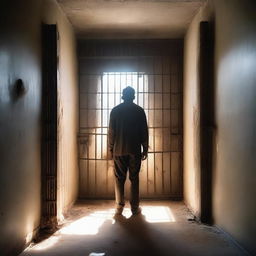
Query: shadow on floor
column 162, row 229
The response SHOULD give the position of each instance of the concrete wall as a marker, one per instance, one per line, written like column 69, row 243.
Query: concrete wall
column 20, row 183
column 235, row 181
column 67, row 107
column 234, row 184
column 20, row 119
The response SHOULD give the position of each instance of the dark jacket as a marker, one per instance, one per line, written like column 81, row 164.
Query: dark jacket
column 128, row 130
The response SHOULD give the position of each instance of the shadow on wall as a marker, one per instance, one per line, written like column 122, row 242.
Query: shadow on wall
column 17, row 90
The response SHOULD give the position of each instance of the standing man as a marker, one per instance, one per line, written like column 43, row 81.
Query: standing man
column 128, row 132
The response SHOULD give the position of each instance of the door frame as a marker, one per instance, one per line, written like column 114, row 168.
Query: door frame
column 49, row 134
column 207, row 118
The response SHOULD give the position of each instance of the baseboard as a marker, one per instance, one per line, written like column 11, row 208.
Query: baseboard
column 233, row 241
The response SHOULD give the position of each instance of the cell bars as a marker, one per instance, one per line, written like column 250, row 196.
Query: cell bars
column 153, row 93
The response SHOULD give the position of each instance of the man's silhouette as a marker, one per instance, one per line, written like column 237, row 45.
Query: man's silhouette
column 128, row 132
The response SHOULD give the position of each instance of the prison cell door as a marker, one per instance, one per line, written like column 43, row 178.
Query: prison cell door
column 158, row 92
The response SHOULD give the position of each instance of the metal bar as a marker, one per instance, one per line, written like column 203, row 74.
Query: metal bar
column 150, row 152
column 152, row 127
column 101, row 116
column 108, row 123
column 100, row 73
column 163, row 188
column 154, row 137
column 170, row 84
column 144, row 109
column 144, row 106
column 88, row 93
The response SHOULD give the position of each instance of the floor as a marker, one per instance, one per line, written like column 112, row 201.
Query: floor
column 163, row 228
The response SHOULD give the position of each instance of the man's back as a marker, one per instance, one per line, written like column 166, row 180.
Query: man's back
column 127, row 129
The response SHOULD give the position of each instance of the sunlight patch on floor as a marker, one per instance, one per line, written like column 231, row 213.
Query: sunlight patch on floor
column 89, row 225
column 157, row 214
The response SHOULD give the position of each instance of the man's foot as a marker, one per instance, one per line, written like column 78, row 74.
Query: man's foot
column 119, row 211
column 119, row 218
column 136, row 211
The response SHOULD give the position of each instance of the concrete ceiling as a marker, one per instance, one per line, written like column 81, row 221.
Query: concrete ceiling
column 130, row 18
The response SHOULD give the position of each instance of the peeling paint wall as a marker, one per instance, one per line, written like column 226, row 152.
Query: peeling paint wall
column 234, row 183
column 67, row 107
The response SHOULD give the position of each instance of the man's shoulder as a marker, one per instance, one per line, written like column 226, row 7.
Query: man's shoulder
column 138, row 108
column 116, row 108
column 124, row 107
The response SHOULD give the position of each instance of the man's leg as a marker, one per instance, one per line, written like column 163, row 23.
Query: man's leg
column 121, row 166
column 134, row 169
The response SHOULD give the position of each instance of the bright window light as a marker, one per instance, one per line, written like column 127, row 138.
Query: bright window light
column 113, row 84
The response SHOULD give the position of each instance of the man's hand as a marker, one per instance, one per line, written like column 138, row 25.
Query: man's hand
column 144, row 155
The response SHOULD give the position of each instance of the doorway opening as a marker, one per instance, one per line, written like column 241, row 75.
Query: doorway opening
column 154, row 69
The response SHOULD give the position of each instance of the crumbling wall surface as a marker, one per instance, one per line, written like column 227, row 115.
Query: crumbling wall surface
column 20, row 111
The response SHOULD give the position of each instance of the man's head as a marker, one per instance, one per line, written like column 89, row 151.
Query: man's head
column 128, row 94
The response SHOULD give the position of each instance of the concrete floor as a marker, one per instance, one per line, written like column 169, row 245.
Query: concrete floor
column 162, row 229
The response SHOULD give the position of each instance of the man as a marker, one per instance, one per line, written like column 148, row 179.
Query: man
column 128, row 132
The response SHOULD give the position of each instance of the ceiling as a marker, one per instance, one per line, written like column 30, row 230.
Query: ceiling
column 107, row 19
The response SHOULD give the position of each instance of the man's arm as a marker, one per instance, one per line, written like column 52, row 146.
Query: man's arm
column 111, row 134
column 144, row 136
